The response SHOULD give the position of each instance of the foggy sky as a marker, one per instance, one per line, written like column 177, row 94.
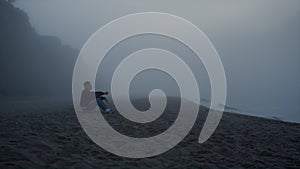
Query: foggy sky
column 258, row 41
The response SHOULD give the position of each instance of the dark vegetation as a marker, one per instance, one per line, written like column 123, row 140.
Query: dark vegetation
column 31, row 64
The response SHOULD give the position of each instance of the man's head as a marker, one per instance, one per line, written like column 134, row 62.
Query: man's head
column 87, row 85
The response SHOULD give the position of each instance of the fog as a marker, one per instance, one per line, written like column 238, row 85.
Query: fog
column 258, row 42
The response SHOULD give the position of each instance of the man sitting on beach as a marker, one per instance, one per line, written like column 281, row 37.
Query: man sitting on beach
column 87, row 99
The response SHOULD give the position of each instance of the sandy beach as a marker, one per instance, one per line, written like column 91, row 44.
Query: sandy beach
column 55, row 139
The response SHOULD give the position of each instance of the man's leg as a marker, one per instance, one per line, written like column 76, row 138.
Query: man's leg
column 103, row 98
column 103, row 106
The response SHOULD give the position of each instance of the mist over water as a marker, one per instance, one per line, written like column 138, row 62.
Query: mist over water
column 258, row 45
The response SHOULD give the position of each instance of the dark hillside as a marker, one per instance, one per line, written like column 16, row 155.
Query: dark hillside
column 31, row 64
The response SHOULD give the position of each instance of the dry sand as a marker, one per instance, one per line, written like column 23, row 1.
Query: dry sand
column 55, row 139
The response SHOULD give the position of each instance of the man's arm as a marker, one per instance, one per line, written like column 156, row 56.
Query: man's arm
column 100, row 93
